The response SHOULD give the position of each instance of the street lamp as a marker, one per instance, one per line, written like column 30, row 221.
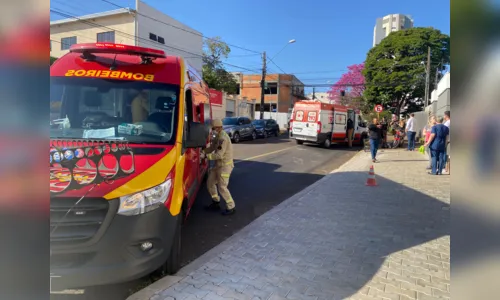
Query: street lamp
column 289, row 42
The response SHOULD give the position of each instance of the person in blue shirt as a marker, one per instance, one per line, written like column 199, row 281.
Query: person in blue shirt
column 437, row 144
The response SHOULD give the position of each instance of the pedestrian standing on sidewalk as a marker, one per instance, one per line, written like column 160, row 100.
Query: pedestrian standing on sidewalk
column 426, row 132
column 350, row 129
column 220, row 151
column 437, row 144
column 374, row 132
column 410, row 130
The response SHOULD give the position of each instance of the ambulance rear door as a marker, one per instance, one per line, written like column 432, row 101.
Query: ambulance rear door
column 340, row 126
column 305, row 122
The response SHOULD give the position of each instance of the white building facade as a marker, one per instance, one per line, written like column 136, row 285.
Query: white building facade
column 440, row 97
column 320, row 96
column 143, row 26
column 390, row 23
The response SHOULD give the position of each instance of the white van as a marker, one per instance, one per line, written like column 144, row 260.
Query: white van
column 321, row 123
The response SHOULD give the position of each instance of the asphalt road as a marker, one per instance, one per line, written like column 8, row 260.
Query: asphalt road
column 267, row 171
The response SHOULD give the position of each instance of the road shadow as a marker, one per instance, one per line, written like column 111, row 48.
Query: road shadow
column 355, row 148
column 329, row 242
column 256, row 187
column 282, row 138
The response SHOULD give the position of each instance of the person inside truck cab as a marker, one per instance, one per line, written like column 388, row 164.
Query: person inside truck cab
column 140, row 107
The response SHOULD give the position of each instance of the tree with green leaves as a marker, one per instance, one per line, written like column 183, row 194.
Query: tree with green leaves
column 214, row 73
column 395, row 69
column 52, row 60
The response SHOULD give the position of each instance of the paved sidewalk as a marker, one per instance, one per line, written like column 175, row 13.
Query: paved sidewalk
column 337, row 239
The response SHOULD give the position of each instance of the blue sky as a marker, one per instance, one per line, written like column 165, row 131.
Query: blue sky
column 330, row 34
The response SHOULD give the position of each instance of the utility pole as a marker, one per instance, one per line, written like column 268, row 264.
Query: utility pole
column 437, row 74
column 427, row 76
column 262, row 85
column 314, row 92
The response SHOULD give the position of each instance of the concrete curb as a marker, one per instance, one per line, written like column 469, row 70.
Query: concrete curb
column 168, row 281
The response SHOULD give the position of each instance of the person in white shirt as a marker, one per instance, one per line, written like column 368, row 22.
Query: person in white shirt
column 411, row 133
column 447, row 119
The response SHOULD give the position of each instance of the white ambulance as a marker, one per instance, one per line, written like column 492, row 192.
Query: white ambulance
column 324, row 124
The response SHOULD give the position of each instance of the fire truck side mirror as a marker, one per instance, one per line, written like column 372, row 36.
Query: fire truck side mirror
column 197, row 135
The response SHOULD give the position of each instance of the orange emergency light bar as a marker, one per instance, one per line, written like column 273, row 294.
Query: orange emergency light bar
column 117, row 49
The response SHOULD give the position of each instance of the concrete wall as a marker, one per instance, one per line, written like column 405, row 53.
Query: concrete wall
column 123, row 25
column 441, row 97
column 443, row 103
column 188, row 45
column 281, row 118
column 234, row 106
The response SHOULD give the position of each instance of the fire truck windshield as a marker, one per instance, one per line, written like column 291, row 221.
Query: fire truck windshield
column 96, row 108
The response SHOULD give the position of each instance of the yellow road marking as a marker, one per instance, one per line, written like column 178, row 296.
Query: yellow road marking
column 265, row 154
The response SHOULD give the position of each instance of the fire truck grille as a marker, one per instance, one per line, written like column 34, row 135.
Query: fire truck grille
column 78, row 225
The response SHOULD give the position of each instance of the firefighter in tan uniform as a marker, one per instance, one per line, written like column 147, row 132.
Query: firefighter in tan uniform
column 220, row 151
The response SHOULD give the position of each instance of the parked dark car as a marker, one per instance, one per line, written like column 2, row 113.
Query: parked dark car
column 239, row 128
column 266, row 127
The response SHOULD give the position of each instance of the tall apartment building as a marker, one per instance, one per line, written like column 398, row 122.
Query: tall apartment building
column 390, row 23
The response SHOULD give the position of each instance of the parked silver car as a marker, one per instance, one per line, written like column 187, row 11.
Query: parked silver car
column 239, row 128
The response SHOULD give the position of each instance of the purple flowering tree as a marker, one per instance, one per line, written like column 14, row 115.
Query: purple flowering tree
column 352, row 83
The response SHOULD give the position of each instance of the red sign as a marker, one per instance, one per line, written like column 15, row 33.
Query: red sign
column 215, row 97
column 378, row 108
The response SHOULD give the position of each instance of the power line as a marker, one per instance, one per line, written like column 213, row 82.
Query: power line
column 346, row 70
column 277, row 65
column 65, row 14
column 180, row 28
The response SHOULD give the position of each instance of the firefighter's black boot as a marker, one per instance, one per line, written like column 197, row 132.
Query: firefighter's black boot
column 228, row 212
column 214, row 206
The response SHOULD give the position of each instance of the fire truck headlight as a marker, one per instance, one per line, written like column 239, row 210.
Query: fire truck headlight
column 145, row 201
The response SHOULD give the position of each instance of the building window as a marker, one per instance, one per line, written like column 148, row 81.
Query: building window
column 161, row 40
column 153, row 37
column 108, row 36
column 272, row 88
column 67, row 42
column 237, row 89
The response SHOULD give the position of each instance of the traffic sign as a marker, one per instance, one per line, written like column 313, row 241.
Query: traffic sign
column 379, row 108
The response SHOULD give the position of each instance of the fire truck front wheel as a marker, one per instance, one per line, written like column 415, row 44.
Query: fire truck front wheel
column 173, row 263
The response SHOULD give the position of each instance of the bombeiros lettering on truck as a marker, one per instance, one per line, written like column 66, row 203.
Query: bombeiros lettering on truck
column 127, row 125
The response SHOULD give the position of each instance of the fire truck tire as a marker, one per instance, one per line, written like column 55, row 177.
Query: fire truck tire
column 173, row 263
column 299, row 142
